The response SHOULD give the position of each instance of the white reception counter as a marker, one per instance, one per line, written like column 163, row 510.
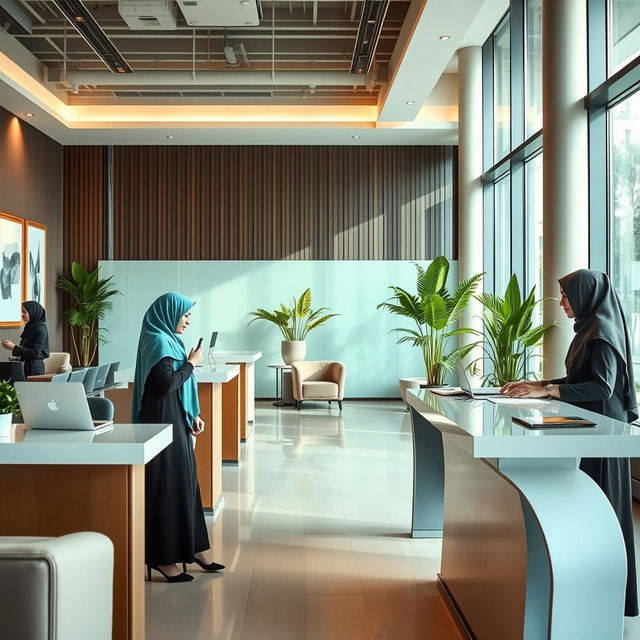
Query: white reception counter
column 531, row 546
column 124, row 444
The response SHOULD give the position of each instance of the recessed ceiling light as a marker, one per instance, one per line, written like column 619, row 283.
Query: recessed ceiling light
column 244, row 1
column 29, row 115
column 356, row 137
column 170, row 137
column 410, row 102
column 444, row 37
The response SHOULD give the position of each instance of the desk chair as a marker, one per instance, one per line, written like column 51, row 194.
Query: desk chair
column 12, row 371
column 100, row 408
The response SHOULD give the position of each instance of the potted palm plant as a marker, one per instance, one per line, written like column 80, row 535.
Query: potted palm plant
column 434, row 312
column 509, row 332
column 8, row 407
column 294, row 323
column 90, row 300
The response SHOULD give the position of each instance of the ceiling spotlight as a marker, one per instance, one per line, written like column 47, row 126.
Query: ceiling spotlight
column 79, row 19
column 356, row 137
column 410, row 102
column 444, row 37
column 170, row 137
column 29, row 115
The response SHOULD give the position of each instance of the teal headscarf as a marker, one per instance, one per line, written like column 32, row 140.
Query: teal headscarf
column 158, row 340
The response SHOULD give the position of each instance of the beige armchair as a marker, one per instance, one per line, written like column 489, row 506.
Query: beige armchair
column 57, row 362
column 56, row 588
column 318, row 380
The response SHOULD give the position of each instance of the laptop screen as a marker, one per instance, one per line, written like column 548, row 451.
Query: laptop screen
column 465, row 384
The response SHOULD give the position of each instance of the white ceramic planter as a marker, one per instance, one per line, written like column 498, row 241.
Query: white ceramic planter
column 293, row 350
column 5, row 424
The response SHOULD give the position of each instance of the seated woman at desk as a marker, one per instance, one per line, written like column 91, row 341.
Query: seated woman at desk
column 599, row 378
column 34, row 339
column 165, row 391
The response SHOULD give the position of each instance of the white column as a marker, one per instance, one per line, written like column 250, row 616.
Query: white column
column 565, row 164
column 470, row 240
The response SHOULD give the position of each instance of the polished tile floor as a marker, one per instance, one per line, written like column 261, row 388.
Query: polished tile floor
column 314, row 536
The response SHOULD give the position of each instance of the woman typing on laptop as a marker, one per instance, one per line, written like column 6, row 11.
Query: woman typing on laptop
column 34, row 340
column 165, row 391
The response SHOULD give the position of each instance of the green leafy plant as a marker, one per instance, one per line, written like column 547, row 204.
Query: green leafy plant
column 509, row 332
column 434, row 310
column 296, row 321
column 90, row 298
column 8, row 398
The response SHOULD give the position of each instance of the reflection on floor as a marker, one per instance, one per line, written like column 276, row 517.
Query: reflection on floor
column 314, row 535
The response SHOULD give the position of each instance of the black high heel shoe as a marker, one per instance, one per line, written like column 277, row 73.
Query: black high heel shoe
column 181, row 577
column 212, row 566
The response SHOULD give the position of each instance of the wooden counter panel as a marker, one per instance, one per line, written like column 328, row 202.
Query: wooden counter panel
column 53, row 500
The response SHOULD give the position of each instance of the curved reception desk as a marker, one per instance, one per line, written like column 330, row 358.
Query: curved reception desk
column 60, row 482
column 531, row 547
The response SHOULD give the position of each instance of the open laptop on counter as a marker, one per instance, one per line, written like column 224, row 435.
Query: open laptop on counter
column 474, row 392
column 57, row 406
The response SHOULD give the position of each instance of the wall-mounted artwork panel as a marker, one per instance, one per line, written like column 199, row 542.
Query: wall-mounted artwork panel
column 36, row 262
column 12, row 249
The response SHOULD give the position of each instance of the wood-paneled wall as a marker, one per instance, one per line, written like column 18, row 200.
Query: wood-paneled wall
column 31, row 188
column 84, row 206
column 289, row 202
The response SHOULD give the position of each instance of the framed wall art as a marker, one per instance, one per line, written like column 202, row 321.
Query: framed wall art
column 35, row 262
column 11, row 281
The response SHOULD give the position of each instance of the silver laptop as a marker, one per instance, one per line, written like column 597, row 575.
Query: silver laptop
column 474, row 392
column 57, row 406
column 101, row 376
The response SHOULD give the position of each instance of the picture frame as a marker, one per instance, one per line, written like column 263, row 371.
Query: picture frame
column 35, row 262
column 12, row 245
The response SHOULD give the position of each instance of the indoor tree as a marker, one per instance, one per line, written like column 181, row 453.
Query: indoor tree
column 90, row 300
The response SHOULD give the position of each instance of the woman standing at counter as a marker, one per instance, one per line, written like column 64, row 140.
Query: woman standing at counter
column 599, row 378
column 165, row 391
column 34, row 339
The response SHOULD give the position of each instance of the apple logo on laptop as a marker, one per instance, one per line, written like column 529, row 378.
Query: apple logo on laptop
column 52, row 405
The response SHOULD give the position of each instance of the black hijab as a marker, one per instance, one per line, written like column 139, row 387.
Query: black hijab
column 37, row 325
column 598, row 316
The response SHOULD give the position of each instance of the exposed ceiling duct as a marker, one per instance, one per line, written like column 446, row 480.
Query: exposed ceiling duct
column 221, row 13
column 213, row 78
column 17, row 18
column 86, row 25
column 371, row 21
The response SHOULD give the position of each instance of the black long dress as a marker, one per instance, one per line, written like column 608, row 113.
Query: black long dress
column 32, row 349
column 599, row 386
column 175, row 524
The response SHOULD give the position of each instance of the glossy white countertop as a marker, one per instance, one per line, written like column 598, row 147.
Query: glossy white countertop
column 124, row 444
column 229, row 355
column 205, row 373
column 486, row 430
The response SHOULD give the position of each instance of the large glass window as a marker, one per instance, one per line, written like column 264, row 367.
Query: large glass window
column 624, row 208
column 502, row 90
column 533, row 211
column 624, row 32
column 533, row 67
column 502, row 245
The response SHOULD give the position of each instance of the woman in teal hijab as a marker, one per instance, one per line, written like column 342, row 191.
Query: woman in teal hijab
column 165, row 391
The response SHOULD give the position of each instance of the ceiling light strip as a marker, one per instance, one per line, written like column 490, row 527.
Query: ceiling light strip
column 85, row 24
column 369, row 30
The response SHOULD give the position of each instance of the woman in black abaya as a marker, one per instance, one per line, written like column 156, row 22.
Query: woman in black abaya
column 34, row 339
column 165, row 391
column 599, row 378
